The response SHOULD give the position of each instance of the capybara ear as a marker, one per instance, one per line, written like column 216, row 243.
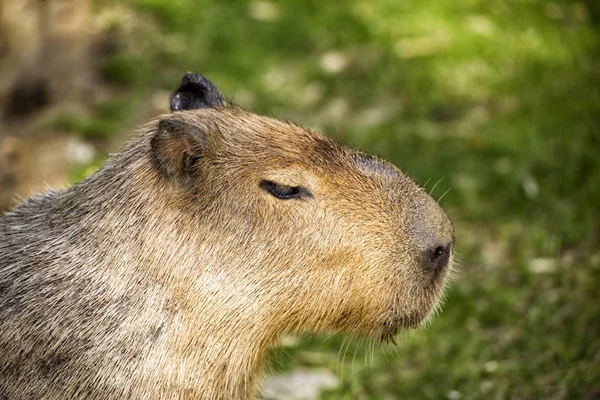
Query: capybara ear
column 196, row 92
column 176, row 149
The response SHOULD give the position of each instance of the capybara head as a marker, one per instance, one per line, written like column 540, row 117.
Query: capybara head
column 309, row 233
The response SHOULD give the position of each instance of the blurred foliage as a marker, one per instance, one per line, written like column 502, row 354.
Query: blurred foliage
column 105, row 119
column 498, row 101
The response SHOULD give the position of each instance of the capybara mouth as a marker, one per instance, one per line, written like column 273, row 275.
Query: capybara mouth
column 391, row 327
column 437, row 278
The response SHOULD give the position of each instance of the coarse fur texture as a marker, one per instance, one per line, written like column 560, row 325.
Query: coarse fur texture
column 171, row 271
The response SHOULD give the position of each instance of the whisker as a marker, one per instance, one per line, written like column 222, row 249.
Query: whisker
column 434, row 186
column 354, row 359
column 442, row 196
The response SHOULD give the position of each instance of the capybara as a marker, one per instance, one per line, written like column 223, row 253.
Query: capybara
column 169, row 272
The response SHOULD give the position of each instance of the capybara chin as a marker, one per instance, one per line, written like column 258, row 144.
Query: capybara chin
column 171, row 271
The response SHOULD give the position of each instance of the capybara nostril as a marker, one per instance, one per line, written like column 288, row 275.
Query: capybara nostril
column 437, row 258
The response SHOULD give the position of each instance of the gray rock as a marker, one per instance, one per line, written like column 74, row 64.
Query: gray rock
column 300, row 384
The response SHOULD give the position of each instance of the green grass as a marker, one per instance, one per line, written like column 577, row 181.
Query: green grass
column 105, row 119
column 499, row 99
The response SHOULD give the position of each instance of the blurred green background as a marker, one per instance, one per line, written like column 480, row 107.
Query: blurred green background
column 492, row 105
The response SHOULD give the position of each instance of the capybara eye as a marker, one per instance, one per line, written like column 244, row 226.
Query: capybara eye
column 284, row 192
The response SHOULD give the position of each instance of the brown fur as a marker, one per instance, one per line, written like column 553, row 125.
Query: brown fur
column 150, row 281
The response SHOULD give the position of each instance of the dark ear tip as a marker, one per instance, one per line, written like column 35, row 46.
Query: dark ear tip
column 191, row 78
column 196, row 92
column 176, row 103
